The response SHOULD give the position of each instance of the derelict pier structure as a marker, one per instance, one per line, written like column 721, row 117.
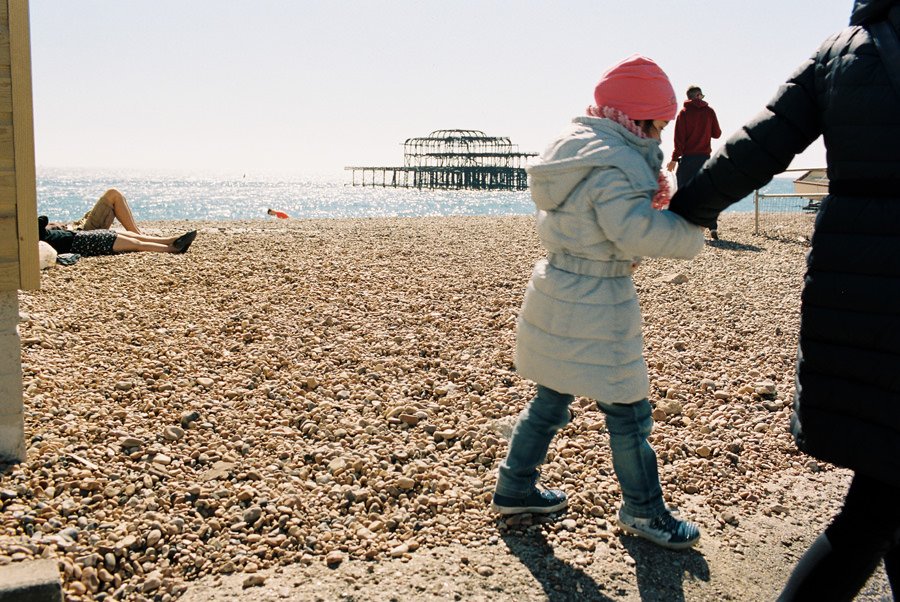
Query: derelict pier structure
column 452, row 159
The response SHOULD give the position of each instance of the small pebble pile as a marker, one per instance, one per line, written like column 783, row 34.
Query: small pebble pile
column 315, row 391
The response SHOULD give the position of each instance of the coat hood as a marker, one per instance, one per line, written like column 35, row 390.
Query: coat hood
column 870, row 11
column 695, row 104
column 591, row 142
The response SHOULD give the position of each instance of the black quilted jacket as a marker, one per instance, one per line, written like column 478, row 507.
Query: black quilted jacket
column 847, row 405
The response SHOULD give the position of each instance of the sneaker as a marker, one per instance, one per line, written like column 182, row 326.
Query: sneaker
column 714, row 234
column 664, row 529
column 539, row 501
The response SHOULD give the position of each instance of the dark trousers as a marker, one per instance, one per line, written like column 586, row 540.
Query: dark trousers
column 866, row 531
column 688, row 166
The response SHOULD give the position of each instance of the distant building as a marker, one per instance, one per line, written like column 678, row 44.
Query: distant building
column 452, row 159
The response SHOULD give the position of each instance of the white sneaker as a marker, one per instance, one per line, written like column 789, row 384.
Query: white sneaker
column 664, row 529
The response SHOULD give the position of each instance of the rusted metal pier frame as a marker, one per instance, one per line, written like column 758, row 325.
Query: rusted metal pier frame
column 450, row 178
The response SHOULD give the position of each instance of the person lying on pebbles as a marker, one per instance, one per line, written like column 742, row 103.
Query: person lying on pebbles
column 109, row 242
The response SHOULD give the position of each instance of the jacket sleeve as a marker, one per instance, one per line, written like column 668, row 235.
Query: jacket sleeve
column 679, row 138
column 629, row 221
column 715, row 130
column 761, row 149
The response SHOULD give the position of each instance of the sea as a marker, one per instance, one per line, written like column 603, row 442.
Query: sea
column 66, row 194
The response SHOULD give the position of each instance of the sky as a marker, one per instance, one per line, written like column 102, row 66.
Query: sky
column 307, row 87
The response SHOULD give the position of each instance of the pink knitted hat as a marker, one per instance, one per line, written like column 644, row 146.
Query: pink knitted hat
column 639, row 88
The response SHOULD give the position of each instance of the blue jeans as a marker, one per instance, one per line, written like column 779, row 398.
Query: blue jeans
column 634, row 460
column 688, row 166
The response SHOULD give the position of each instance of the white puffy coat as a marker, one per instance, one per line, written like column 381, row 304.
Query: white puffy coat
column 579, row 330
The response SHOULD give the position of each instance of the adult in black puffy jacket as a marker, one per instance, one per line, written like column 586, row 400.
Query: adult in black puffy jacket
column 847, row 404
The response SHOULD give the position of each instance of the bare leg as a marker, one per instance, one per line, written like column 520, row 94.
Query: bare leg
column 120, row 209
column 164, row 240
column 126, row 243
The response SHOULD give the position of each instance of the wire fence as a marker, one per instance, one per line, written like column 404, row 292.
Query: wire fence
column 779, row 214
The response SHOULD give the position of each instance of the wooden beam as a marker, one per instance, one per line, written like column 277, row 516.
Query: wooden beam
column 23, row 135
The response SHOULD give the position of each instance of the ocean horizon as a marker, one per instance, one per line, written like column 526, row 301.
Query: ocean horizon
column 65, row 194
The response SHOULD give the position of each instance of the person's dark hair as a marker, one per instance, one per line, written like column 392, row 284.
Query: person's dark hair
column 644, row 124
column 693, row 92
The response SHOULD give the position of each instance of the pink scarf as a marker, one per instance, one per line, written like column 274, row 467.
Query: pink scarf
column 664, row 192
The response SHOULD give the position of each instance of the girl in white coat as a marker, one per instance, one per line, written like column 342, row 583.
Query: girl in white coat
column 598, row 189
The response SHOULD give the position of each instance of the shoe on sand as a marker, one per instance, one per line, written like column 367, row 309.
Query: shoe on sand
column 183, row 242
column 539, row 501
column 664, row 529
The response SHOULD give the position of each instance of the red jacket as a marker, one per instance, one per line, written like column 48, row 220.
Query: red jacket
column 695, row 126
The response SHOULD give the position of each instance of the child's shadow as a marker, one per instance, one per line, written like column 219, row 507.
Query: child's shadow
column 661, row 572
column 733, row 246
column 560, row 580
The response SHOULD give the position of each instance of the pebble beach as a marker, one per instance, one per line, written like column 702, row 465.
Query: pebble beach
column 326, row 392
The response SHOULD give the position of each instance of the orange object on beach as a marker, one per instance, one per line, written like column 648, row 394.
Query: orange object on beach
column 278, row 214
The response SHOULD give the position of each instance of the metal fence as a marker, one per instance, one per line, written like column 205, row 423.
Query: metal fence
column 780, row 212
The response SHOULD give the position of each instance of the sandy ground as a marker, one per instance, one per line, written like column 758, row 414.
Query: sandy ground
column 314, row 410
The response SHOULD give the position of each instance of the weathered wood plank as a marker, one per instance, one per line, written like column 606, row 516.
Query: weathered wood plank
column 9, row 274
column 5, row 94
column 23, row 134
column 9, row 237
column 8, row 201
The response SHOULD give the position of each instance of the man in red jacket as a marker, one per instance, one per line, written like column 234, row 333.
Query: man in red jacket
column 695, row 125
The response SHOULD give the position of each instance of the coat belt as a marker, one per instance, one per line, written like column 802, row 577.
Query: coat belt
column 589, row 267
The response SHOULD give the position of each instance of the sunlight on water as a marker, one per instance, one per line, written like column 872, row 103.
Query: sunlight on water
column 66, row 194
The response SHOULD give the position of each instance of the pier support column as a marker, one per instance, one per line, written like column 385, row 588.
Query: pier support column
column 12, row 416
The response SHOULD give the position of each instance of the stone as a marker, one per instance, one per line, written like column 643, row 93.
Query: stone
column 153, row 537
column 219, row 470
column 162, row 459
column 765, row 388
column 173, row 433
column 129, row 442
column 152, row 582
column 252, row 514
column 673, row 278
column 36, row 580
column 256, row 580
column 125, row 543
column 399, row 551
column 188, row 417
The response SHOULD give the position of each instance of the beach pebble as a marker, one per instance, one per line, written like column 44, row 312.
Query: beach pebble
column 173, row 433
column 253, row 581
column 127, row 442
column 405, row 483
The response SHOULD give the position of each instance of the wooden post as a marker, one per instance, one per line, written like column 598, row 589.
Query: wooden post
column 18, row 215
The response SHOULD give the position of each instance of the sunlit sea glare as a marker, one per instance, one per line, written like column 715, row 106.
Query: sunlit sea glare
column 65, row 194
